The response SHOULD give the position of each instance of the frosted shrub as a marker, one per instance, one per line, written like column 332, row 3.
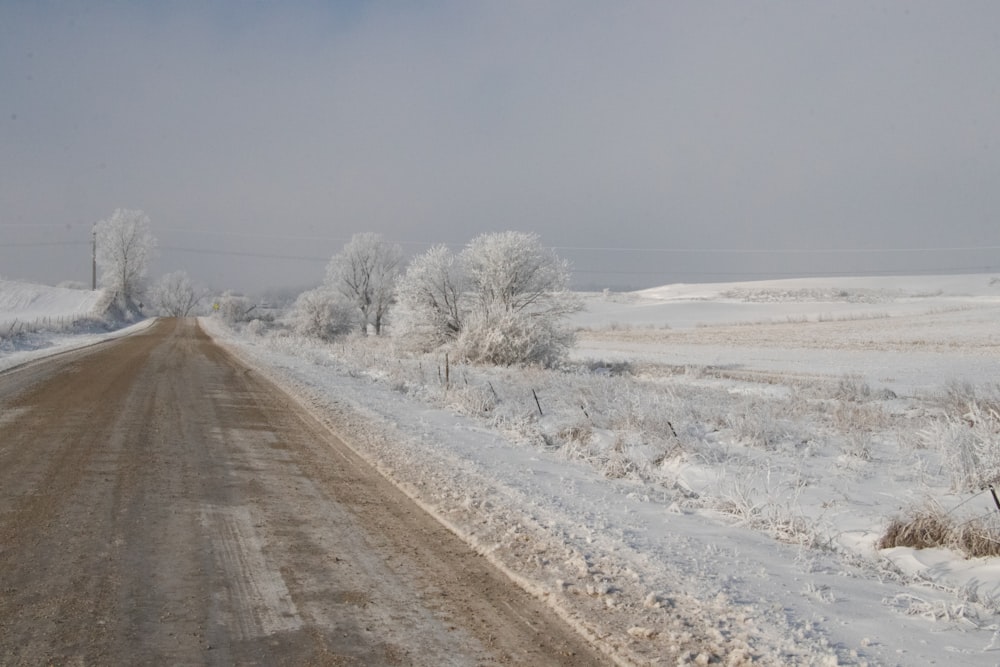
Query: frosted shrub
column 256, row 327
column 512, row 338
column 503, row 301
column 233, row 308
column 175, row 295
column 320, row 313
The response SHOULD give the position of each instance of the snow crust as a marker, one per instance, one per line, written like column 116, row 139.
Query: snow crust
column 804, row 415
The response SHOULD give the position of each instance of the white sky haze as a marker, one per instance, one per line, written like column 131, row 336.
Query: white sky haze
column 648, row 142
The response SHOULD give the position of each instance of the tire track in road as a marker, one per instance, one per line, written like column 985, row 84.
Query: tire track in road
column 260, row 598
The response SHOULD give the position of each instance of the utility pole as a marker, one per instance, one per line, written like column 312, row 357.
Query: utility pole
column 93, row 259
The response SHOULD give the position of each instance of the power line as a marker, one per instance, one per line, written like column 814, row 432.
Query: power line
column 256, row 235
column 34, row 224
column 237, row 253
column 284, row 237
column 30, row 244
column 706, row 251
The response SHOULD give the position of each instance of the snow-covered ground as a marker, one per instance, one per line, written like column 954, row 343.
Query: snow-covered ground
column 29, row 303
column 906, row 333
column 710, row 477
column 38, row 320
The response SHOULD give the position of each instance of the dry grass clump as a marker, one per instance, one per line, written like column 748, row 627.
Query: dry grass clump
column 854, row 389
column 610, row 368
column 959, row 398
column 978, row 538
column 932, row 527
column 926, row 529
column 854, row 417
column 581, row 433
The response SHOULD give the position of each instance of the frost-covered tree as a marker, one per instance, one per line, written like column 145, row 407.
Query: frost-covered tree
column 429, row 299
column 125, row 246
column 365, row 273
column 503, row 300
column 322, row 313
column 520, row 297
column 512, row 272
column 174, row 295
column 233, row 308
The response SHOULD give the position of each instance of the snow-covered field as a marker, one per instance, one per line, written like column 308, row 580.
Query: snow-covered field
column 29, row 303
column 39, row 320
column 708, row 479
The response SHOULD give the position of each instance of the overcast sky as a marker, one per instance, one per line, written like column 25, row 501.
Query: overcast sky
column 648, row 142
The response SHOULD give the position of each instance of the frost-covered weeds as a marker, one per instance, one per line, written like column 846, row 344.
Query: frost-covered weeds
column 771, row 505
column 966, row 438
column 967, row 435
column 18, row 333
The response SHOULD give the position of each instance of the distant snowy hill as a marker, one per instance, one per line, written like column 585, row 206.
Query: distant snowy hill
column 27, row 302
column 888, row 287
column 683, row 306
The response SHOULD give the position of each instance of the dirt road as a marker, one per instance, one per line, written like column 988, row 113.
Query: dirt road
column 161, row 504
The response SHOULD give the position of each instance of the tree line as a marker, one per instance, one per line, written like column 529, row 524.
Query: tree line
column 503, row 299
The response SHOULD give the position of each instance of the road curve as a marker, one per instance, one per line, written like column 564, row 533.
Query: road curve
column 161, row 504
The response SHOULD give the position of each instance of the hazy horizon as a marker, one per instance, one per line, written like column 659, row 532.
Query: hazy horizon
column 648, row 143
